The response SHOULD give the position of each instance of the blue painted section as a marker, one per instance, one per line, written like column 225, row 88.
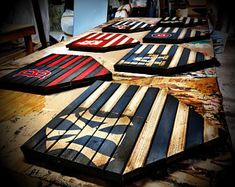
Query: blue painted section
column 89, row 14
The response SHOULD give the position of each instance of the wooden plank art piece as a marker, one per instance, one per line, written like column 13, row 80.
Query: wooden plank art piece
column 181, row 22
column 174, row 35
column 56, row 72
column 128, row 27
column 98, row 42
column 163, row 60
column 117, row 131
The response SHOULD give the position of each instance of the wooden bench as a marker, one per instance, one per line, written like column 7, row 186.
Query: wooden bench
column 14, row 31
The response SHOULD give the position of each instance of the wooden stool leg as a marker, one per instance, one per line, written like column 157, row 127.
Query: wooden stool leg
column 28, row 44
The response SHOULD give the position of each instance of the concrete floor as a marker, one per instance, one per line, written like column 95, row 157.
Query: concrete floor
column 226, row 80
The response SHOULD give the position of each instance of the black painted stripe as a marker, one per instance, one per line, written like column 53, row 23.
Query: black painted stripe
column 187, row 34
column 170, row 55
column 184, row 57
column 94, row 143
column 124, row 150
column 199, row 57
column 143, row 53
column 194, row 135
column 40, row 135
column 161, row 139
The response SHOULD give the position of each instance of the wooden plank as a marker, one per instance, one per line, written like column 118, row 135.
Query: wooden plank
column 210, row 131
column 143, row 143
column 192, row 57
column 161, row 140
column 184, row 57
column 178, row 136
column 176, row 58
column 123, row 151
column 119, row 128
column 194, row 135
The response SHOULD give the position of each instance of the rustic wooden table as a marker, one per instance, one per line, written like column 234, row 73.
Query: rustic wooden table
column 23, row 114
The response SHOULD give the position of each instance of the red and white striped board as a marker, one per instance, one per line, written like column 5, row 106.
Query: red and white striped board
column 119, row 131
column 174, row 35
column 164, row 59
column 181, row 22
column 128, row 27
column 98, row 41
column 56, row 72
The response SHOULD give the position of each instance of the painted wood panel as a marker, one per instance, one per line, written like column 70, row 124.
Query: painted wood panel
column 127, row 27
column 174, row 35
column 181, row 22
column 163, row 60
column 102, row 42
column 56, row 72
column 115, row 131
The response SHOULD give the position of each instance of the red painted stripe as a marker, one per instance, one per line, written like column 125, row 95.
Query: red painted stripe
column 68, row 73
column 107, row 41
column 58, row 61
column 71, row 62
column 102, row 72
column 46, row 60
column 129, row 41
column 122, row 38
column 94, row 37
column 87, row 71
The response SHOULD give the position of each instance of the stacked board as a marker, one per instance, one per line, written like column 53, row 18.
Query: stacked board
column 174, row 35
column 163, row 60
column 118, row 131
column 127, row 27
column 56, row 72
column 101, row 42
column 181, row 22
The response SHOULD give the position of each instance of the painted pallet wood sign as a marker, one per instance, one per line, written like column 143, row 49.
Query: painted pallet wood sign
column 117, row 131
column 181, row 22
column 164, row 59
column 128, row 27
column 101, row 42
column 174, row 35
column 56, row 72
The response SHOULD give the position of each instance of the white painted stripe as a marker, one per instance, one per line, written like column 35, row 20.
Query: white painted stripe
column 193, row 33
column 110, row 36
column 113, row 41
column 136, row 25
column 174, row 18
column 167, row 29
column 182, row 34
column 166, row 18
column 123, row 41
column 158, row 29
column 118, row 23
column 144, row 25
column 101, row 35
column 181, row 18
column 176, row 57
column 187, row 20
column 132, row 23
column 95, row 34
column 175, row 30
column 192, row 57
column 195, row 20
column 166, row 49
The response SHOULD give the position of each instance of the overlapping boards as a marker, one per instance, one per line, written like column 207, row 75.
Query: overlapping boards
column 174, row 35
column 163, row 60
column 98, row 42
column 181, row 22
column 56, row 72
column 117, row 131
column 128, row 27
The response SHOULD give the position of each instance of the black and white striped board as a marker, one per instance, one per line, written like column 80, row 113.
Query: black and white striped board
column 181, row 22
column 128, row 27
column 117, row 131
column 56, row 72
column 101, row 42
column 174, row 35
column 162, row 59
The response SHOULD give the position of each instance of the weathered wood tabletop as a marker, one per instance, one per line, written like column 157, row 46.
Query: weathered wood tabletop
column 23, row 114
